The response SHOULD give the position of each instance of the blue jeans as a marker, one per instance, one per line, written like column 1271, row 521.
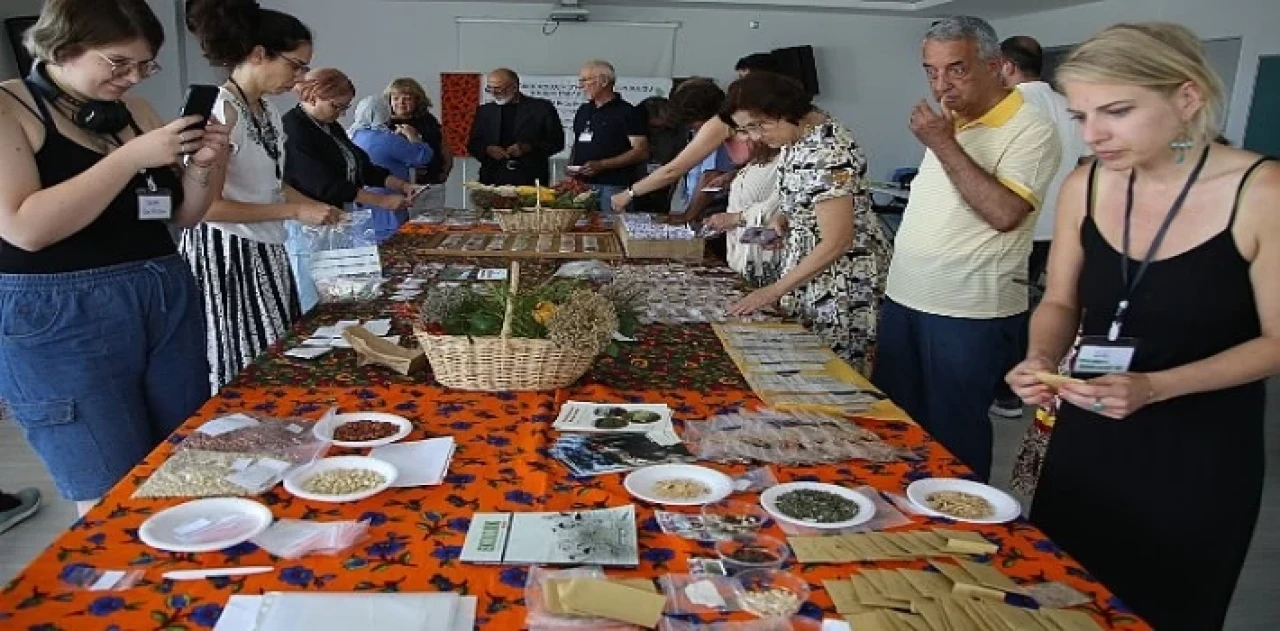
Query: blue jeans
column 606, row 193
column 99, row 366
column 944, row 372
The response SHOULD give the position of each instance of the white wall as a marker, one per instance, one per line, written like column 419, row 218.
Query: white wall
column 869, row 65
column 164, row 90
column 1254, row 21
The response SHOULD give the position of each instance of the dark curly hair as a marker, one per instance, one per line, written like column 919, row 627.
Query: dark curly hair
column 229, row 30
column 695, row 100
column 770, row 95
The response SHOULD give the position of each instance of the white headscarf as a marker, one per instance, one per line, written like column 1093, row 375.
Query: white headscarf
column 372, row 112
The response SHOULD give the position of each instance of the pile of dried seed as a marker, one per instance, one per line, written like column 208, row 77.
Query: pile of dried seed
column 197, row 473
column 770, row 603
column 816, row 506
column 361, row 431
column 269, row 436
column 343, row 481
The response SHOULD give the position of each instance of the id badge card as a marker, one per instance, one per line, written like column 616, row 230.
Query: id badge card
column 1100, row 356
column 586, row 135
column 155, row 205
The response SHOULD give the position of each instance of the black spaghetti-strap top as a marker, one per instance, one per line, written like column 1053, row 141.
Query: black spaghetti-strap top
column 116, row 236
column 1187, row 308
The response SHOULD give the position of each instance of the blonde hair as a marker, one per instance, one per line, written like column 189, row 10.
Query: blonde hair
column 1157, row 55
column 405, row 85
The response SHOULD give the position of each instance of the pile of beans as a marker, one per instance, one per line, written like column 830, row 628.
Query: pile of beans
column 360, row 431
column 343, row 481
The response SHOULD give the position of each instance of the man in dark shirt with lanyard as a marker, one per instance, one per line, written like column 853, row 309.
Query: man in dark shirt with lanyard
column 610, row 135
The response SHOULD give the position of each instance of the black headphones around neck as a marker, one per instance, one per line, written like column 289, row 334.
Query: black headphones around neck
column 98, row 117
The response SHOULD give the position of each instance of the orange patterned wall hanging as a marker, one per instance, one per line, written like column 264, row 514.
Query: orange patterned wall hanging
column 459, row 98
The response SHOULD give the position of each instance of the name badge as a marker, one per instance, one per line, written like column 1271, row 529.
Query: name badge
column 586, row 136
column 1100, row 356
column 155, row 205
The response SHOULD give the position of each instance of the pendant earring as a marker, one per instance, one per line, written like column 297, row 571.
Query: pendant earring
column 1180, row 146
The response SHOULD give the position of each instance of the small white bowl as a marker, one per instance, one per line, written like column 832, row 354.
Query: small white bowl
column 325, row 428
column 866, row 507
column 1006, row 508
column 294, row 482
column 641, row 482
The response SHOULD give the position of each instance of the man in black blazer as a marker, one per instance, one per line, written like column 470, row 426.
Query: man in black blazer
column 515, row 136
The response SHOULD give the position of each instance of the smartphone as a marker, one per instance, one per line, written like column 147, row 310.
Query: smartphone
column 759, row 236
column 199, row 102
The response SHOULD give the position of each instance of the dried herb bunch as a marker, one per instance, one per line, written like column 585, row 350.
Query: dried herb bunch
column 586, row 320
column 563, row 311
column 628, row 298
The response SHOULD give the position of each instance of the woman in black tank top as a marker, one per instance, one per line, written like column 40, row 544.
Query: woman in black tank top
column 1154, row 470
column 92, row 294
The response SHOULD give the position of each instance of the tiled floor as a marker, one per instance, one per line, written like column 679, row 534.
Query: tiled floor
column 1256, row 606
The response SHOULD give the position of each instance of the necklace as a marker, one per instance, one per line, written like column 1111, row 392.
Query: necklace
column 265, row 134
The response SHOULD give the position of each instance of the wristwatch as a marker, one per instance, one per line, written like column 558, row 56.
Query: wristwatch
column 631, row 193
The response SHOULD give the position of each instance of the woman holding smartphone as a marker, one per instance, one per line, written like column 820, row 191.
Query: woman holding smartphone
column 238, row 254
column 100, row 331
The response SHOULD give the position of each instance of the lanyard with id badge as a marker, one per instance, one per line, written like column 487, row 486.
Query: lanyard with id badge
column 154, row 203
column 1113, row 353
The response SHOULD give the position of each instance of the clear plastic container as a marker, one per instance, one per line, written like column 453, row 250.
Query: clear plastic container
column 771, row 593
column 752, row 552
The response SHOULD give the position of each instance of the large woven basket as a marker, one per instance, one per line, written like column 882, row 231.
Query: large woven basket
column 538, row 219
column 503, row 363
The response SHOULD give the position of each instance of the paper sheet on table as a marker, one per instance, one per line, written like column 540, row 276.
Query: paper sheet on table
column 240, row 614
column 420, row 463
column 342, row 612
column 464, row 617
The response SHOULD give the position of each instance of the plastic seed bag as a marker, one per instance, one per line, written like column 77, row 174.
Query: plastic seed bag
column 688, row 594
column 89, row 578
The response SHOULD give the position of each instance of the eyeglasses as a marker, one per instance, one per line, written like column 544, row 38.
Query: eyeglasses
column 955, row 73
column 754, row 127
column 121, row 68
column 583, row 82
column 340, row 107
column 489, row 89
column 298, row 65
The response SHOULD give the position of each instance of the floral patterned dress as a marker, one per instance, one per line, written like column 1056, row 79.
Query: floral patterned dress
column 842, row 303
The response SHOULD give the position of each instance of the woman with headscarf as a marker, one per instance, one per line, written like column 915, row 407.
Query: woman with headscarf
column 325, row 165
column 389, row 150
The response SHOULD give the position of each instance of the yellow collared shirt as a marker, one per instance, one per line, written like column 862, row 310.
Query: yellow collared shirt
column 947, row 259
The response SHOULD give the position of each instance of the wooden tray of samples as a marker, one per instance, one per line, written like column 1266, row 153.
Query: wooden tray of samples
column 684, row 250
column 566, row 245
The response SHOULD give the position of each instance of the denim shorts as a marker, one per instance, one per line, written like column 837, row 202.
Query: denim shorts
column 98, row 367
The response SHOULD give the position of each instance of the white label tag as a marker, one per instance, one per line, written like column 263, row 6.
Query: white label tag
column 586, row 136
column 222, row 425
column 1104, row 360
column 704, row 593
column 192, row 527
column 154, row 205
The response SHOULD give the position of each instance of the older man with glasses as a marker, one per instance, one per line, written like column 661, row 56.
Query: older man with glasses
column 514, row 135
column 610, row 135
column 956, row 294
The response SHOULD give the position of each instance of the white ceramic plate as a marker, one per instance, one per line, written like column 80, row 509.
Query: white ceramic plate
column 294, row 482
column 866, row 507
column 324, row 429
column 176, row 529
column 641, row 482
column 1007, row 508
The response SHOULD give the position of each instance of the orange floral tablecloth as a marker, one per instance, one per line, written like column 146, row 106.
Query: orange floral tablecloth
column 417, row 534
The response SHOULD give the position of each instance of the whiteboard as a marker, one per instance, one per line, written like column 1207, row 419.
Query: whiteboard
column 563, row 92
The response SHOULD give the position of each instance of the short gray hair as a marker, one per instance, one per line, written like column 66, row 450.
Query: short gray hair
column 603, row 69
column 967, row 27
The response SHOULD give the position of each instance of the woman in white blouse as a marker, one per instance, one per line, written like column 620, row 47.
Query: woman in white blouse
column 753, row 202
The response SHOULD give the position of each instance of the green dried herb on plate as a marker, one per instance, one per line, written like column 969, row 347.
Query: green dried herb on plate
column 816, row 506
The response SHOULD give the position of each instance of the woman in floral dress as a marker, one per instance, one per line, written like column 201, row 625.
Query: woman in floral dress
column 835, row 253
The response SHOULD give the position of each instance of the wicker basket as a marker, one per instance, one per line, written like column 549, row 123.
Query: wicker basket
column 538, row 219
column 503, row 363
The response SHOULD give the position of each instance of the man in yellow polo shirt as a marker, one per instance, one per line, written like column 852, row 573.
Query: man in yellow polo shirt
column 956, row 293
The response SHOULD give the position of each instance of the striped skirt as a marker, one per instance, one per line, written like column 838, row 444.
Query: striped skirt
column 249, row 297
